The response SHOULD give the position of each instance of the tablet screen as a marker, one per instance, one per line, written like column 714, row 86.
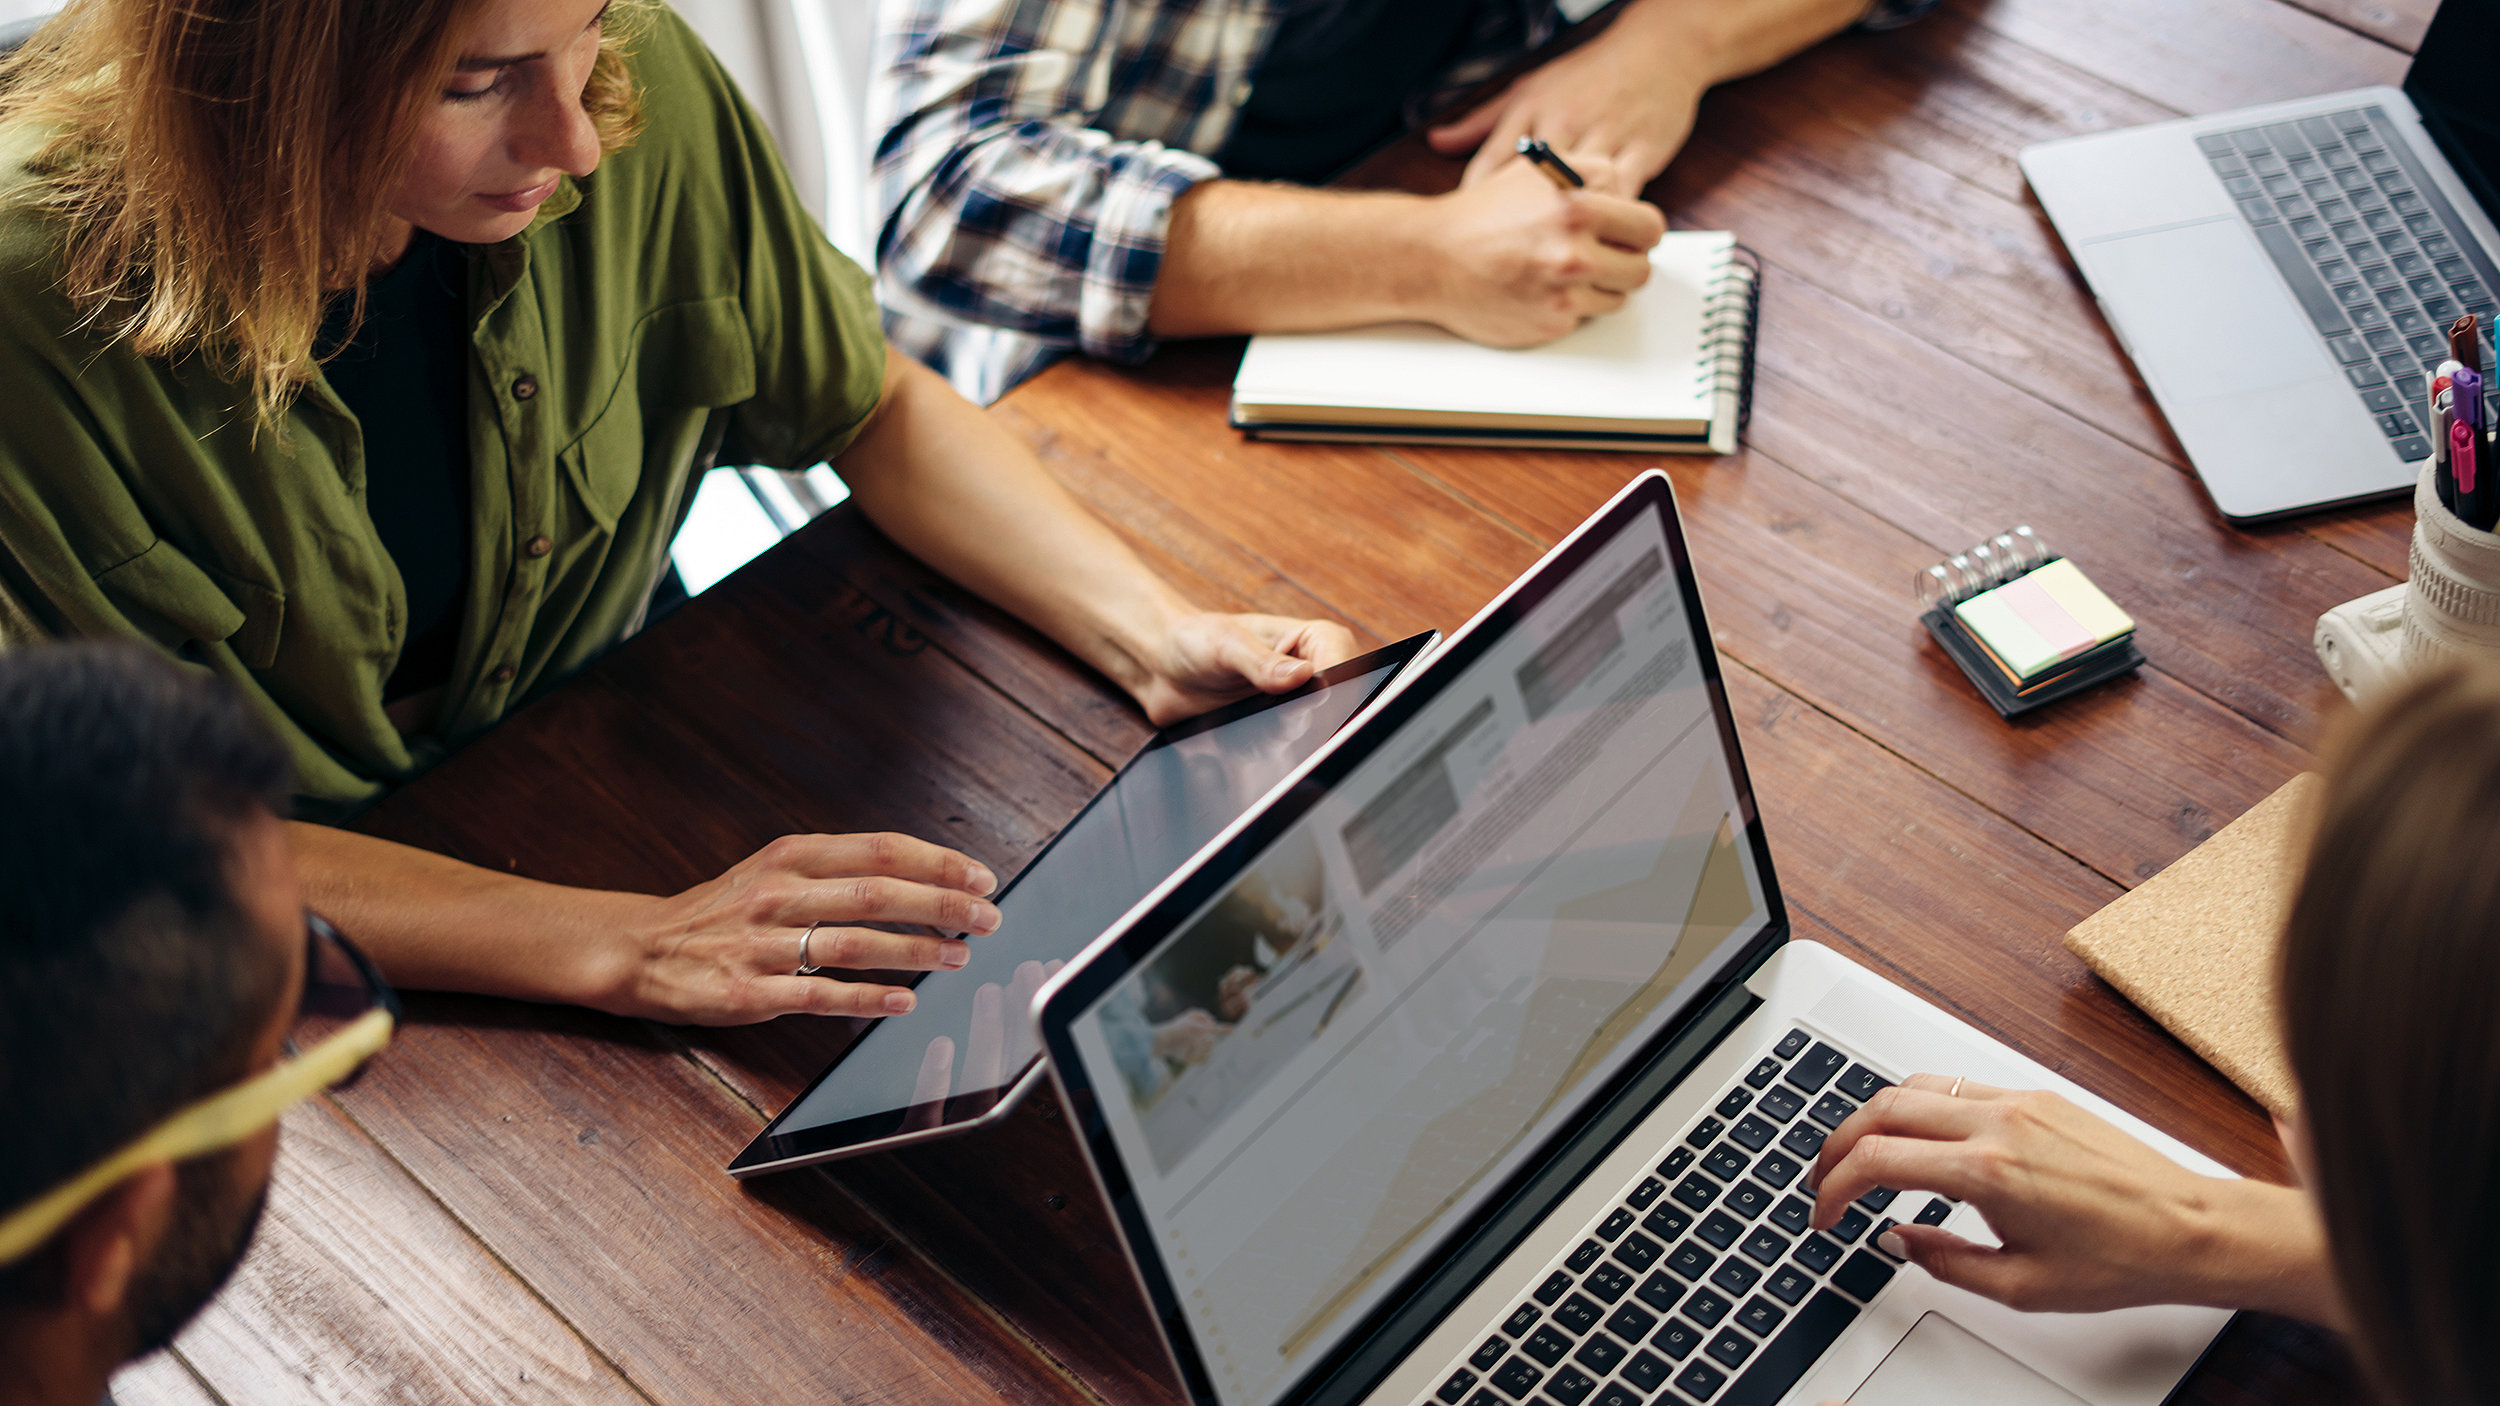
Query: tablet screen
column 971, row 1037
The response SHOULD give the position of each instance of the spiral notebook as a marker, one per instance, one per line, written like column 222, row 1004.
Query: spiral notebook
column 1672, row 370
column 2025, row 624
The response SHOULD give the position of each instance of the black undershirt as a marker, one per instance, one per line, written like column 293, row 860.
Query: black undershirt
column 1338, row 80
column 406, row 378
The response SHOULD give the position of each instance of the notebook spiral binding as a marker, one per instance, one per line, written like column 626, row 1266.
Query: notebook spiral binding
column 1983, row 567
column 1731, row 316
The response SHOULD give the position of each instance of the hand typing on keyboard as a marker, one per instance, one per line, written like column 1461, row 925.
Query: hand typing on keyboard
column 2090, row 1218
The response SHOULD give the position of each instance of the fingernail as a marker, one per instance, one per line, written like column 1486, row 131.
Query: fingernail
column 983, row 881
column 900, row 1002
column 955, row 954
column 985, row 917
column 1890, row 1243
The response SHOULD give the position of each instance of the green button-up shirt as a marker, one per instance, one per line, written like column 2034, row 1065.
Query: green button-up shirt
column 675, row 306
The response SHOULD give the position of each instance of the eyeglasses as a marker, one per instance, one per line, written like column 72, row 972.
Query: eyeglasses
column 344, row 1018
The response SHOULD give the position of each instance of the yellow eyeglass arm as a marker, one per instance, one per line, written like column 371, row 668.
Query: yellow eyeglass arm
column 218, row 1121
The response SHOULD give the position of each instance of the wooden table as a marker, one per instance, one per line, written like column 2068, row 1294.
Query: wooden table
column 526, row 1204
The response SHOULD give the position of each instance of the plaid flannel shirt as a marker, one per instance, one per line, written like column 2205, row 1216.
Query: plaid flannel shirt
column 1030, row 152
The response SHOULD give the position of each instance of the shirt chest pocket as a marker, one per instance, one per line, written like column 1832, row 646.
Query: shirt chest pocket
column 683, row 361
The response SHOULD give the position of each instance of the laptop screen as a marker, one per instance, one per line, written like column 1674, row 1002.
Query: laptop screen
column 2450, row 82
column 1531, row 864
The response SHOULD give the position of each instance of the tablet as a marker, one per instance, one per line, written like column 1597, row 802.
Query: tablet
column 964, row 1057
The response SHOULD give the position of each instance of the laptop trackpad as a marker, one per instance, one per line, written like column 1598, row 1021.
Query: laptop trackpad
column 1942, row 1361
column 2204, row 311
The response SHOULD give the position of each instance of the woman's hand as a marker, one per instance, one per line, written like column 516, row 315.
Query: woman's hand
column 1207, row 659
column 727, row 952
column 2090, row 1218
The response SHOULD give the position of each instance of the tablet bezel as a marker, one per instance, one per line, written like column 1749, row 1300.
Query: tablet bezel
column 964, row 1112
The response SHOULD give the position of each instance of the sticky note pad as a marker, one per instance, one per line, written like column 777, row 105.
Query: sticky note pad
column 2050, row 615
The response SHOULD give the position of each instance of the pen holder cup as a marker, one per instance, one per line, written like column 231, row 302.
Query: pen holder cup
column 2452, row 602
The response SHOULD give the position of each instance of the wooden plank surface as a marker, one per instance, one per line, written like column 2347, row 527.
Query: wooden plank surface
column 523, row 1203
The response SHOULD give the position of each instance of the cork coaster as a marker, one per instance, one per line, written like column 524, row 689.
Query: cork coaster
column 2196, row 944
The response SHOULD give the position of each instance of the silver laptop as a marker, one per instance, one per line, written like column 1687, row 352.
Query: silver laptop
column 1476, row 1065
column 2284, row 275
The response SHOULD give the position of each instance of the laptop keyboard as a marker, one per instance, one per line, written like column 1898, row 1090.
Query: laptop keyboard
column 2373, row 251
column 1701, row 1283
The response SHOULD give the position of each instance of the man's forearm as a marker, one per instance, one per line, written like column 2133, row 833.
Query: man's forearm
column 1245, row 257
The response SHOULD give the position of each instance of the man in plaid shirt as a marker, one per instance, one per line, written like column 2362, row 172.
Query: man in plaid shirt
column 1098, row 174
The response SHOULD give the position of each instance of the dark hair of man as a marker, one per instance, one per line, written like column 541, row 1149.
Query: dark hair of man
column 2391, row 1003
column 131, row 982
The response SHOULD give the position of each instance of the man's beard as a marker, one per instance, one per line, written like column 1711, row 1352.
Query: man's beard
column 212, row 1226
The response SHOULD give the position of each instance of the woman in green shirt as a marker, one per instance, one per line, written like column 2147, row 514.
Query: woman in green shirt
column 365, row 353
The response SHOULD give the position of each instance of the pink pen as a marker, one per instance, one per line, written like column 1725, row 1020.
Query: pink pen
column 2461, row 456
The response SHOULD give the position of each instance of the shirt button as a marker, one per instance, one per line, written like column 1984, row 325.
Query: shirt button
column 539, row 545
column 503, row 674
column 525, row 387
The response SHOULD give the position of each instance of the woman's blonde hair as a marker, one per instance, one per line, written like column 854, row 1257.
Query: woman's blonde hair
column 220, row 166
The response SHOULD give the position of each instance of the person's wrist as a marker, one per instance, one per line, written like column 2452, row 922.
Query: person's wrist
column 602, row 967
column 2251, row 1244
column 1414, row 255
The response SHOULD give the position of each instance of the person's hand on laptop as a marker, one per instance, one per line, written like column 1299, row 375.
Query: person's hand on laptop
column 1210, row 658
column 2090, row 1218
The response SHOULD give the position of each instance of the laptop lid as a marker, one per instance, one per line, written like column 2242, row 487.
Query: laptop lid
column 2450, row 85
column 967, row 1053
column 1336, row 1044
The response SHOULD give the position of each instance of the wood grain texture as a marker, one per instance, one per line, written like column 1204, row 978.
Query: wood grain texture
column 359, row 1288
column 160, row 1379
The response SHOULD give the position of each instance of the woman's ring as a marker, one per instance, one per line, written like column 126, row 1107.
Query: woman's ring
column 808, row 968
column 1954, row 1092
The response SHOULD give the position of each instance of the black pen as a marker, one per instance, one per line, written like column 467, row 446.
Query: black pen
column 1543, row 158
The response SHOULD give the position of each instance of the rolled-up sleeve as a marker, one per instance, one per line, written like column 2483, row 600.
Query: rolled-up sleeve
column 1001, row 205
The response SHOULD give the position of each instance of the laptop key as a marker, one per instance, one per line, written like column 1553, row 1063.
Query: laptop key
column 1763, row 1073
column 1589, row 1252
column 1777, row 1169
column 1517, row 1378
column 1555, row 1286
column 1831, row 1110
column 1864, row 1276
column 1523, row 1317
column 1485, row 1356
column 1816, row 1067
column 1676, row 1340
column 1546, row 1345
column 1600, row 1354
column 1645, row 1193
column 1734, row 1103
column 1704, row 1133
column 2397, row 424
column 1730, row 1347
column 1676, row 1162
column 1690, row 1261
column 1817, row 1254
column 1720, row 1229
column 1765, row 1246
column 1608, row 1283
column 2352, row 295
column 1639, row 1251
column 1788, row 1283
column 1852, row 1224
column 2214, row 144
column 1725, row 1162
column 1617, row 1222
column 1791, row 1215
column 1454, row 1390
column 1617, row 1395
column 1699, row 1379
column 1666, row 1222
column 1780, row 1104
column 1805, row 1140
column 1752, row 1133
column 1786, row 1358
column 1570, row 1386
column 1577, row 1315
column 2348, row 349
column 1933, row 1213
column 1660, row 1292
column 1697, row 1191
column 1760, row 1317
column 1631, row 1322
column 1647, row 1371
column 1790, row 1044
column 1747, row 1199
column 1736, row 1276
column 1878, row 1198
column 2414, row 448
column 1861, row 1083
column 1706, row 1307
column 2362, row 376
